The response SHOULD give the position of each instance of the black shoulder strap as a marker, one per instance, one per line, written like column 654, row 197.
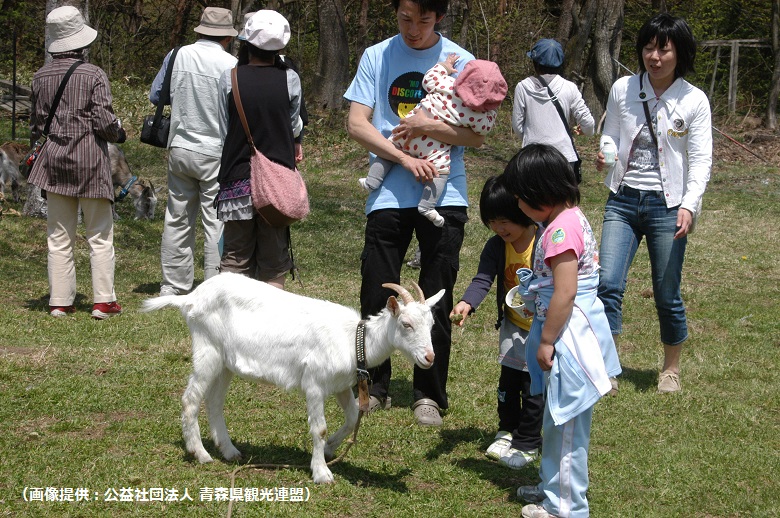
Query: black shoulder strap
column 554, row 99
column 165, row 91
column 647, row 116
column 57, row 97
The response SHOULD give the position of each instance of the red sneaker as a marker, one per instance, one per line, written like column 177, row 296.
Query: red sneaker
column 61, row 311
column 103, row 310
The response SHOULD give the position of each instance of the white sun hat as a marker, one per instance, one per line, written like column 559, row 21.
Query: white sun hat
column 266, row 30
column 68, row 30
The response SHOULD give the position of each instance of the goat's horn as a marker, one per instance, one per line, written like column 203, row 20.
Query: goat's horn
column 419, row 292
column 405, row 295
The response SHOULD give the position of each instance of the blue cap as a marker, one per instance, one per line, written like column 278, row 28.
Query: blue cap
column 547, row 53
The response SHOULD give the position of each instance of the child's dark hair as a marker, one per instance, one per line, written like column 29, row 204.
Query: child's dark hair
column 542, row 177
column 663, row 28
column 426, row 6
column 496, row 202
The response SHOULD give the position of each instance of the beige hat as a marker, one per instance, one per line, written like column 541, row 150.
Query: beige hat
column 68, row 30
column 216, row 21
column 266, row 30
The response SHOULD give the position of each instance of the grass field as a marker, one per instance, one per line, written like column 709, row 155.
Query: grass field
column 89, row 411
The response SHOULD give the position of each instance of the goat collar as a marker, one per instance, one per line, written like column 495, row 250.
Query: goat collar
column 362, row 373
column 126, row 188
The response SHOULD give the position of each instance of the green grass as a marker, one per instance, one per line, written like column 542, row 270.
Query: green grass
column 87, row 404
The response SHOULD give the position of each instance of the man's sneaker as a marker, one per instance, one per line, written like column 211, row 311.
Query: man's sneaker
column 500, row 446
column 531, row 494
column 103, row 310
column 166, row 290
column 516, row 459
column 669, row 382
column 536, row 511
column 61, row 311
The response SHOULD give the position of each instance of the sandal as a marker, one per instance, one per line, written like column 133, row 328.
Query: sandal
column 376, row 403
column 427, row 412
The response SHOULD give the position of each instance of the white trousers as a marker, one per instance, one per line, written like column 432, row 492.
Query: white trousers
column 192, row 188
column 61, row 236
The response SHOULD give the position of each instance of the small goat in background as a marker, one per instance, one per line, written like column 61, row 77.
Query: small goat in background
column 144, row 196
column 246, row 327
column 11, row 154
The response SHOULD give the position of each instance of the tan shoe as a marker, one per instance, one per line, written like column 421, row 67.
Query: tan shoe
column 669, row 382
column 427, row 412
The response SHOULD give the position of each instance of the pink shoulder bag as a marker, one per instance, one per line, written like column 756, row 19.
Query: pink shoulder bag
column 278, row 193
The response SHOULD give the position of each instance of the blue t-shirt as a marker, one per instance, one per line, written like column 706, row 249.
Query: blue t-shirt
column 389, row 80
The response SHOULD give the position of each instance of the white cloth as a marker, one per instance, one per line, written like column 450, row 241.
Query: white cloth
column 684, row 132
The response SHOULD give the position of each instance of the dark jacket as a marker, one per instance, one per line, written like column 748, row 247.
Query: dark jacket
column 492, row 262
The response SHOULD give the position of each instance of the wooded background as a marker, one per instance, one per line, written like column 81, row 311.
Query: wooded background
column 328, row 37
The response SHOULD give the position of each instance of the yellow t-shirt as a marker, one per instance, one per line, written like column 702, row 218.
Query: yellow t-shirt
column 514, row 261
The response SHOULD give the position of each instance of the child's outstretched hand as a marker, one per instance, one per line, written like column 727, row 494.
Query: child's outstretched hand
column 460, row 313
column 449, row 63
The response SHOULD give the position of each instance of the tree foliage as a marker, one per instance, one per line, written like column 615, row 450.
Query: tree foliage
column 134, row 35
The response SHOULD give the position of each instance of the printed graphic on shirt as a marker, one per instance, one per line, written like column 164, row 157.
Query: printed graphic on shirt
column 558, row 236
column 405, row 92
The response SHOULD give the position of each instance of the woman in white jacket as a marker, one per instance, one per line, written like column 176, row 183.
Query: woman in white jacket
column 661, row 127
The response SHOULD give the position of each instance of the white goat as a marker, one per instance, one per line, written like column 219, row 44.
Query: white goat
column 246, row 327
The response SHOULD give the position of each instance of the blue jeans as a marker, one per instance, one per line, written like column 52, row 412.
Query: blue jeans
column 629, row 216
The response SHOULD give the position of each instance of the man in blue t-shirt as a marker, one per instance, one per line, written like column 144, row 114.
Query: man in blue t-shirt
column 387, row 86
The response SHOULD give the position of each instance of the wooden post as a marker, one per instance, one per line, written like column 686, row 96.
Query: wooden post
column 733, row 66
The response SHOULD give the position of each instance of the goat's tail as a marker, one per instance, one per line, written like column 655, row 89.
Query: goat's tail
column 161, row 302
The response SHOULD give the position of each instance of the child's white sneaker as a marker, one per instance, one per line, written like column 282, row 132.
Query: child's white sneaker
column 536, row 511
column 516, row 459
column 500, row 446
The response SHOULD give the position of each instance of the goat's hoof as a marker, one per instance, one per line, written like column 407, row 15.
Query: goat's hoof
column 204, row 458
column 232, row 455
column 324, row 477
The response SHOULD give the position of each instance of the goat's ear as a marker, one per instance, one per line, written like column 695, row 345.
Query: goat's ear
column 431, row 301
column 393, row 306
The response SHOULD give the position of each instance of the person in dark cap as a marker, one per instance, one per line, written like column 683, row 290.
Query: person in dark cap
column 73, row 166
column 536, row 119
column 195, row 150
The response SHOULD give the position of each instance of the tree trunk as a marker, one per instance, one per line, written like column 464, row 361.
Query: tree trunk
column 333, row 57
column 183, row 9
column 597, row 38
column 464, row 24
column 565, row 22
column 495, row 48
column 362, row 33
column 774, row 92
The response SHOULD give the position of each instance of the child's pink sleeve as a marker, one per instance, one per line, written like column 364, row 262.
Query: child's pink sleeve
column 563, row 235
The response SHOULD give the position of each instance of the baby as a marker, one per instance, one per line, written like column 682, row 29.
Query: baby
column 470, row 100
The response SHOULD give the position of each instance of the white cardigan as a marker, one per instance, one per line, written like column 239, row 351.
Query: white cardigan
column 684, row 131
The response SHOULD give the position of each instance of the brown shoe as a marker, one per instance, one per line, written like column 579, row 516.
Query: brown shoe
column 669, row 382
